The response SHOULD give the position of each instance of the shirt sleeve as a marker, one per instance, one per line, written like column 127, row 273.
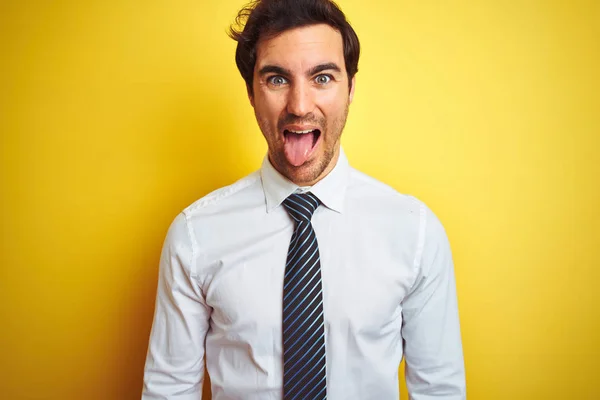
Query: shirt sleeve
column 174, row 367
column 430, row 328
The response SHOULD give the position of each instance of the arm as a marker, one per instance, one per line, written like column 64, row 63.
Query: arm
column 175, row 360
column 430, row 327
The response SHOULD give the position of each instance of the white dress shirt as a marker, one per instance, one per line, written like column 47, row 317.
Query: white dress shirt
column 388, row 292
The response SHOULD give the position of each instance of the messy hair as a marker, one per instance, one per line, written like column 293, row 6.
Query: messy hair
column 268, row 18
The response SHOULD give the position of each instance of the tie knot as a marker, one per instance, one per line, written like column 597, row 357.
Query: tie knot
column 301, row 206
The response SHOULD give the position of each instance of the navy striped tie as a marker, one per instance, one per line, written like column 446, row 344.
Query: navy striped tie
column 304, row 363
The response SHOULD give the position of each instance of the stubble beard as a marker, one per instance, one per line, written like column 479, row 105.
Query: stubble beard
column 311, row 171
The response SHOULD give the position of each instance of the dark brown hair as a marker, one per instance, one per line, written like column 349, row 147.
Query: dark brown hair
column 268, row 18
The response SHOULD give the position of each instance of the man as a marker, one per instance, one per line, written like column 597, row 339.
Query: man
column 306, row 279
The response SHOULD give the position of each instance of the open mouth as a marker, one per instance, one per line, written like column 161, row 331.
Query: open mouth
column 315, row 133
column 300, row 144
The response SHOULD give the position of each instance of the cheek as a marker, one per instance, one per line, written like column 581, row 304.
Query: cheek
column 270, row 105
column 268, row 113
column 334, row 103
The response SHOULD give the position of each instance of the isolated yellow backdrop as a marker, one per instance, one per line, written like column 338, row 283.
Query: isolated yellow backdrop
column 114, row 116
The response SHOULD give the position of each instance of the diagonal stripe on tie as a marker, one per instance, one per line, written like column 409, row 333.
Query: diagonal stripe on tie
column 304, row 358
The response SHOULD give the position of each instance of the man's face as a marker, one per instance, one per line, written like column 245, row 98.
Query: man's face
column 300, row 99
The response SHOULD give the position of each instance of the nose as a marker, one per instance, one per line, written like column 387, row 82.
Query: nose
column 300, row 100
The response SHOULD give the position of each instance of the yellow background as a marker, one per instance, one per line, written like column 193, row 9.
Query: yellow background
column 114, row 116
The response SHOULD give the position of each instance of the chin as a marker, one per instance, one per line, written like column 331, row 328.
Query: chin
column 307, row 173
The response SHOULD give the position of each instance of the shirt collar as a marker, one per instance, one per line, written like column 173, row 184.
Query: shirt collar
column 331, row 190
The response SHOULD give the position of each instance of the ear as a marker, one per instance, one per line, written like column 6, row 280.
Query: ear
column 250, row 95
column 351, row 96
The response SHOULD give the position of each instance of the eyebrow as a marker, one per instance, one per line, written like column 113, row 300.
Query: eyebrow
column 324, row 67
column 275, row 69
column 267, row 69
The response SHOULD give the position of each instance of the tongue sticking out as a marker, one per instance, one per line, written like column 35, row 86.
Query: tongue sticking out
column 298, row 147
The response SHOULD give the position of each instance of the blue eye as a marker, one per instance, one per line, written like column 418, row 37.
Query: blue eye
column 277, row 80
column 323, row 79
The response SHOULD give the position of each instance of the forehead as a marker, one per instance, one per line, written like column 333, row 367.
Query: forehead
column 301, row 47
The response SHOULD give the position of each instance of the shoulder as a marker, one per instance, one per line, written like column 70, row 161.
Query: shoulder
column 217, row 201
column 183, row 233
column 221, row 198
column 410, row 214
column 379, row 195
